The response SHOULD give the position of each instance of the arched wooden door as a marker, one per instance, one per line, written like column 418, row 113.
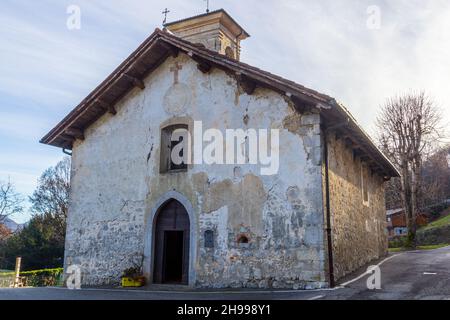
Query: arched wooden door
column 171, row 260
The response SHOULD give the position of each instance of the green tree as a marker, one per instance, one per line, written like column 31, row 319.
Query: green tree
column 41, row 242
column 51, row 197
column 38, row 244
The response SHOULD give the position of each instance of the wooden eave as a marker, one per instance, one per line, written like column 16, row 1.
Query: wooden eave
column 155, row 50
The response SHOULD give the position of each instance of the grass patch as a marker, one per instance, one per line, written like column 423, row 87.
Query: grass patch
column 433, row 246
column 442, row 222
column 429, row 247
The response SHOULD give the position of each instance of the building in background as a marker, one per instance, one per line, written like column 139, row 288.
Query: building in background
column 396, row 222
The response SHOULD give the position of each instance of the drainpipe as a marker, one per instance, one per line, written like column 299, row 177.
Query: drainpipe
column 328, row 212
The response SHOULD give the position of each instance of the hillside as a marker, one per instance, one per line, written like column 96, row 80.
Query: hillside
column 11, row 224
column 443, row 221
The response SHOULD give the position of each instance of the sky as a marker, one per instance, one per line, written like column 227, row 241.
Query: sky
column 360, row 52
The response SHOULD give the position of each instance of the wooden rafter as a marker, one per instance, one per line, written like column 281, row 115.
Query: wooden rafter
column 247, row 84
column 67, row 137
column 136, row 81
column 300, row 104
column 202, row 64
column 77, row 133
column 106, row 106
column 358, row 149
column 174, row 51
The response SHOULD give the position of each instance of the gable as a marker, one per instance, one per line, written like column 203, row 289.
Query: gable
column 157, row 48
column 177, row 90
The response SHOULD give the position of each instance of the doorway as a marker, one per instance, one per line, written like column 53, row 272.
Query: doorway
column 171, row 249
column 173, row 257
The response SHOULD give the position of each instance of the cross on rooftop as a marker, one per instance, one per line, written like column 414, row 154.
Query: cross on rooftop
column 165, row 12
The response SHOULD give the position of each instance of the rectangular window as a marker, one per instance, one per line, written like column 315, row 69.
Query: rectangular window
column 174, row 148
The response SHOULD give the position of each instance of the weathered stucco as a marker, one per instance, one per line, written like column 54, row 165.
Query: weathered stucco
column 358, row 228
column 116, row 185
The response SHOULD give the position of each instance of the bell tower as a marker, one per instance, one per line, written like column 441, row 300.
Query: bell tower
column 216, row 30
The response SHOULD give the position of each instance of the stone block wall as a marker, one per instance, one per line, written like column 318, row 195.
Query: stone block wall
column 358, row 229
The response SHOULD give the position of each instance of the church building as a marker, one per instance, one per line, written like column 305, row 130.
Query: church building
column 315, row 216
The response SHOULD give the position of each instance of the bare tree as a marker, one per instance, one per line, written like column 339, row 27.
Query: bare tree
column 436, row 177
column 10, row 200
column 393, row 194
column 408, row 128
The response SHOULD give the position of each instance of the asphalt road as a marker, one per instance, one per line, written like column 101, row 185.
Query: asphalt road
column 415, row 275
column 409, row 275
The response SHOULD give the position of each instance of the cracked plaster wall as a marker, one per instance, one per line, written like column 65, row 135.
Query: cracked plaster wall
column 116, row 183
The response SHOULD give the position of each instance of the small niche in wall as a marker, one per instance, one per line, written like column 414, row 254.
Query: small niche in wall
column 243, row 241
column 209, row 239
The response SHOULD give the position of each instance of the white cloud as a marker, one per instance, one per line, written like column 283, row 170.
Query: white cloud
column 16, row 125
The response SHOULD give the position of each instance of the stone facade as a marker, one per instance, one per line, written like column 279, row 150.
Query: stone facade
column 359, row 232
column 117, row 187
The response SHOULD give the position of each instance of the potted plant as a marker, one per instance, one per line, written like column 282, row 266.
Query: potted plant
column 132, row 277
